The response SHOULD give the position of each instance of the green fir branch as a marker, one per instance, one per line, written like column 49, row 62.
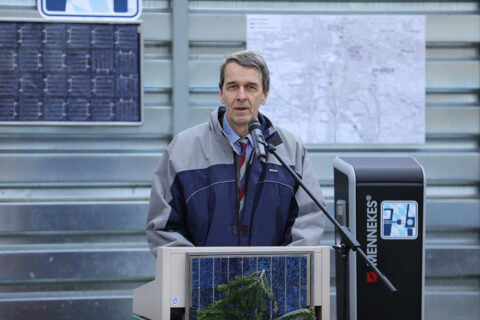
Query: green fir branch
column 300, row 314
column 247, row 298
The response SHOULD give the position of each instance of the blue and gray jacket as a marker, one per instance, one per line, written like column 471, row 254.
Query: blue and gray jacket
column 194, row 198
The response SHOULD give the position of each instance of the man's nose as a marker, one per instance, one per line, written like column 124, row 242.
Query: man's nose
column 241, row 95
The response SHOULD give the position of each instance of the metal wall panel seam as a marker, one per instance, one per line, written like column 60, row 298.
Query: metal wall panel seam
column 180, row 65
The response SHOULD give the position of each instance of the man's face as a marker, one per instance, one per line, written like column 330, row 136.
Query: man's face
column 242, row 94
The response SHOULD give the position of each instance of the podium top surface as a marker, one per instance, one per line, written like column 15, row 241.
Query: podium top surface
column 236, row 250
column 381, row 169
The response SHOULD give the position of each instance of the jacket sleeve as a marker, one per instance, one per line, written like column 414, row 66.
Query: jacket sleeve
column 166, row 213
column 310, row 222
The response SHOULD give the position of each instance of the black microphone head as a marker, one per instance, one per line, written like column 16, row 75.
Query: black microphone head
column 254, row 124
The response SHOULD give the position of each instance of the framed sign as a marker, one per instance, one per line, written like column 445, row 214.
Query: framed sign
column 90, row 9
column 70, row 73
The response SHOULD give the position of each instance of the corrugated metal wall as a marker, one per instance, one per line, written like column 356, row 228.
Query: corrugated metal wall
column 73, row 199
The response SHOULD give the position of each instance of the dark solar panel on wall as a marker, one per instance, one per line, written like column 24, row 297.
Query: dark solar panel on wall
column 69, row 72
column 287, row 274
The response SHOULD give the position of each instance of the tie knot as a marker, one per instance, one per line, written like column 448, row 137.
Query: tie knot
column 243, row 143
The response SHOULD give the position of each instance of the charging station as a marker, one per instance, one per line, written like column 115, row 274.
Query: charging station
column 381, row 201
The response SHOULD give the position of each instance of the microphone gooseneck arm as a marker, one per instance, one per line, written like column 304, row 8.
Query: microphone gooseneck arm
column 348, row 241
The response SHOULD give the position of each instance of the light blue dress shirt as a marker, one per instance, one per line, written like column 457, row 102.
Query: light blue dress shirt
column 234, row 138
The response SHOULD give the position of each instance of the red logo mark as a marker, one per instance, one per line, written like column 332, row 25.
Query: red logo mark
column 371, row 277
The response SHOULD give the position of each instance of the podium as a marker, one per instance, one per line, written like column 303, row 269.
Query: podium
column 186, row 278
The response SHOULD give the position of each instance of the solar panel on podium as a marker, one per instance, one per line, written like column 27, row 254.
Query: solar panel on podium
column 70, row 72
column 289, row 276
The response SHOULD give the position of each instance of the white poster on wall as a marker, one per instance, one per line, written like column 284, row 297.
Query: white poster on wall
column 344, row 79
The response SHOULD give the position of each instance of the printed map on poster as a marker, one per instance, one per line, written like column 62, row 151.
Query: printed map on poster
column 344, row 79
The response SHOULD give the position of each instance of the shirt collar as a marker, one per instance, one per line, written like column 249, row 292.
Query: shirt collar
column 232, row 134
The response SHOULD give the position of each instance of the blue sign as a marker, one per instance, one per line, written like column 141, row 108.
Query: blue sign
column 399, row 220
column 90, row 9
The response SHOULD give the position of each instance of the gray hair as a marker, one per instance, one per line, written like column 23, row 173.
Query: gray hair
column 247, row 58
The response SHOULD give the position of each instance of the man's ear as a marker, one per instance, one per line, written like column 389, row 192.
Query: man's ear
column 221, row 97
column 265, row 96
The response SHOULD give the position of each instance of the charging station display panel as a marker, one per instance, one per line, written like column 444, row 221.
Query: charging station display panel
column 399, row 220
column 389, row 229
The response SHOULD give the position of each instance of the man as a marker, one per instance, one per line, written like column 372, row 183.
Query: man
column 210, row 189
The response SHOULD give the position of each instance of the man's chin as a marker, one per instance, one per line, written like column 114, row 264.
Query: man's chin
column 243, row 120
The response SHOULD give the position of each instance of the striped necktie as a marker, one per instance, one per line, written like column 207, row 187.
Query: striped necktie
column 242, row 186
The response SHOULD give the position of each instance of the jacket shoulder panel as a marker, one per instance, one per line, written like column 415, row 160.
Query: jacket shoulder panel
column 199, row 148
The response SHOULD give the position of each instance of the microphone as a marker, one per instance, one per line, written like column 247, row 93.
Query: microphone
column 259, row 143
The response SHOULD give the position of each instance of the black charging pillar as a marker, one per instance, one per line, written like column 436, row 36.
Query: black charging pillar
column 381, row 201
